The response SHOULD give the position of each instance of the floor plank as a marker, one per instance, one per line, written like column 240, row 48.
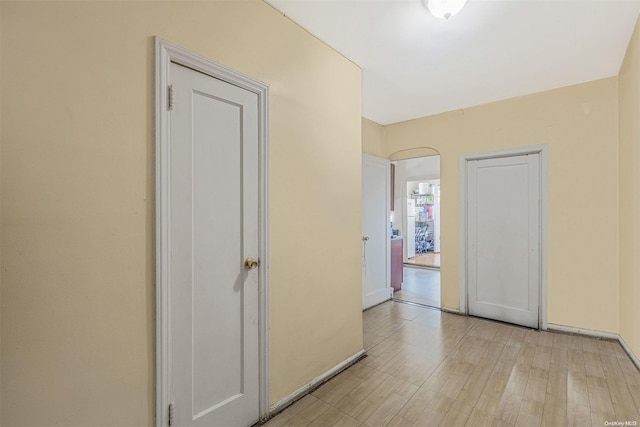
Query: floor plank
column 430, row 368
column 421, row 286
column 429, row 259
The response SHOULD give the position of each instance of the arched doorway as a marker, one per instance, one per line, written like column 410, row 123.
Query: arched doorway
column 416, row 219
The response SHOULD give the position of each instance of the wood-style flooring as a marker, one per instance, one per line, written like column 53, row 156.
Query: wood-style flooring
column 430, row 259
column 430, row 368
column 420, row 285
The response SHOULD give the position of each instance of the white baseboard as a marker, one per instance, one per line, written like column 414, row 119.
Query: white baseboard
column 596, row 334
column 582, row 331
column 631, row 354
column 305, row 389
column 450, row 310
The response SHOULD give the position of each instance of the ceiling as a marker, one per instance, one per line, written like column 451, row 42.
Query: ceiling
column 415, row 65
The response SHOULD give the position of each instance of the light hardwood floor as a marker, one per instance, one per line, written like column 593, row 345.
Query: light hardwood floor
column 430, row 368
column 430, row 259
column 420, row 285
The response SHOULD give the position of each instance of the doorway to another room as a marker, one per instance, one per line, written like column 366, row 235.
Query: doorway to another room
column 423, row 223
column 415, row 218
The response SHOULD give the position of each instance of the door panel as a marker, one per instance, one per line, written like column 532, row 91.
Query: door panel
column 214, row 226
column 375, row 231
column 503, row 239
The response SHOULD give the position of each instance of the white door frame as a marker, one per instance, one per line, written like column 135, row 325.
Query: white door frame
column 166, row 53
column 543, row 151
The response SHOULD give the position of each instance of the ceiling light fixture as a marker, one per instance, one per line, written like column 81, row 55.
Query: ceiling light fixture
column 444, row 9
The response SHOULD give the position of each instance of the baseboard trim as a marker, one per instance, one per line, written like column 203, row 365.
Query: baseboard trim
column 596, row 334
column 630, row 353
column 451, row 310
column 283, row 403
column 581, row 331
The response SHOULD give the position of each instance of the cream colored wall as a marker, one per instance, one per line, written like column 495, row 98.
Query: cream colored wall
column 629, row 178
column 372, row 138
column 579, row 124
column 78, row 199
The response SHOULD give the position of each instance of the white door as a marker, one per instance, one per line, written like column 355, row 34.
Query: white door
column 213, row 297
column 376, row 243
column 504, row 239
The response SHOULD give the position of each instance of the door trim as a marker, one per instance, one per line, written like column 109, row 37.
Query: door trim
column 166, row 53
column 543, row 151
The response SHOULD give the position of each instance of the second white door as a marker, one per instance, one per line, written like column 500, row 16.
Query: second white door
column 503, row 247
column 376, row 279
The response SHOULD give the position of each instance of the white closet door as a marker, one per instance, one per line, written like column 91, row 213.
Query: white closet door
column 504, row 239
column 213, row 309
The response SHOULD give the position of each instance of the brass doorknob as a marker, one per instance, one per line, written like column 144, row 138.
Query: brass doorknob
column 251, row 263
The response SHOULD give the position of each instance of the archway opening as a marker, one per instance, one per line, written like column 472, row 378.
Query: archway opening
column 416, row 219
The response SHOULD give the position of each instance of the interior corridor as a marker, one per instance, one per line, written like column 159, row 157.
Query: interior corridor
column 428, row 368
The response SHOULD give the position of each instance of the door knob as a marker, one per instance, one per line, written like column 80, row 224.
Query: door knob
column 251, row 263
column 365, row 238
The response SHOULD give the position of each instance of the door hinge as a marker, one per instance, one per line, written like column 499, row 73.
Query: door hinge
column 171, row 413
column 170, row 97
